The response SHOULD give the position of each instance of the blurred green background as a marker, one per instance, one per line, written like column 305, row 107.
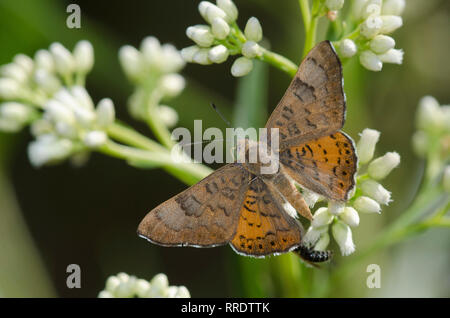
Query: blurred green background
column 55, row 216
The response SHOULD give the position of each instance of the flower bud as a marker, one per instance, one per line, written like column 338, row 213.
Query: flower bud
column 151, row 50
column 16, row 112
column 46, row 81
column 253, row 30
column 210, row 11
column 64, row 61
column 201, row 35
column 390, row 23
column 310, row 197
column 393, row 7
column 376, row 191
column 9, row 88
column 365, row 204
column 370, row 60
column 335, row 208
column 348, row 48
column 15, row 72
column 241, row 67
column 105, row 294
column 48, row 148
column 323, row 242
column 251, row 49
column 172, row 84
column 220, row 29
column 25, row 62
column 158, row 286
column 95, row 138
column 229, row 8
column 371, row 26
column 334, row 4
column 105, row 112
column 218, row 54
column 57, row 111
column 182, row 292
column 202, row 57
column 131, row 60
column 83, row 54
column 365, row 147
column 171, row 59
column 392, row 56
column 44, row 60
column 313, row 234
column 420, row 143
column 381, row 44
column 382, row 166
column 142, row 288
column 429, row 114
column 168, row 115
column 343, row 236
column 322, row 217
column 82, row 97
column 371, row 9
column 188, row 53
column 350, row 216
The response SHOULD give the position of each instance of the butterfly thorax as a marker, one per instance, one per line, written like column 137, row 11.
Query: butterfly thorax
column 258, row 158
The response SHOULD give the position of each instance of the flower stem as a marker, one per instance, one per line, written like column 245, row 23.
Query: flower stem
column 306, row 13
column 279, row 61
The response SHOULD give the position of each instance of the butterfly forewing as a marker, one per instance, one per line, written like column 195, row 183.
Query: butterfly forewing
column 264, row 228
column 204, row 215
column 326, row 165
column 314, row 104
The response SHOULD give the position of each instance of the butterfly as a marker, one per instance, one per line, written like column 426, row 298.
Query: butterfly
column 236, row 205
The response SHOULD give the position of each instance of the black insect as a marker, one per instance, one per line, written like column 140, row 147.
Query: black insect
column 311, row 256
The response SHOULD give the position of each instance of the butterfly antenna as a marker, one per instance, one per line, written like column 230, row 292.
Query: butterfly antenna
column 220, row 114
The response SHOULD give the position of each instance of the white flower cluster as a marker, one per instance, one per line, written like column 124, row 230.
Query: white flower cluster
column 379, row 18
column 221, row 37
column 154, row 69
column 125, row 286
column 70, row 124
column 367, row 197
column 27, row 83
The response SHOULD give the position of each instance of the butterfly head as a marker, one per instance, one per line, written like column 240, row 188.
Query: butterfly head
column 257, row 157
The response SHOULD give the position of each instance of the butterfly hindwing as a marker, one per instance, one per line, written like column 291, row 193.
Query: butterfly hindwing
column 204, row 215
column 264, row 227
column 314, row 104
column 326, row 165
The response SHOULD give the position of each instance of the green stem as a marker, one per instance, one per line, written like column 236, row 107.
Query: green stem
column 278, row 61
column 159, row 129
column 306, row 13
column 310, row 39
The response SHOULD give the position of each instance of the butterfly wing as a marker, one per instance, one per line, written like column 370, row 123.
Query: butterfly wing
column 204, row 215
column 314, row 104
column 264, row 227
column 326, row 165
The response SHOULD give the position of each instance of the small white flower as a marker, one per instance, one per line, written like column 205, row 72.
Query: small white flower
column 290, row 210
column 343, row 236
column 151, row 50
column 348, row 48
column 251, row 49
column 168, row 115
column 335, row 208
column 142, row 287
column 350, row 216
column 334, row 4
column 64, row 61
column 371, row 26
column 313, row 234
column 172, row 84
column 390, row 23
column 322, row 217
column 376, row 191
column 393, row 7
column 229, row 8
column 365, row 204
column 201, row 35
column 202, row 57
column 310, row 197
column 15, row 112
column 44, row 60
column 46, row 81
column 188, row 53
column 253, row 30
column 9, row 88
column 382, row 166
column 366, row 145
column 220, row 28
column 420, row 143
column 15, row 72
column 25, row 62
column 241, row 66
column 381, row 44
column 48, row 148
column 182, row 292
column 105, row 112
column 83, row 54
column 323, row 242
column 210, row 11
column 371, row 61
column 105, row 294
column 171, row 59
column 95, row 138
column 429, row 115
column 218, row 54
column 131, row 60
column 112, row 283
column 58, row 112
column 371, row 9
column 446, row 178
column 393, row 56
column 159, row 285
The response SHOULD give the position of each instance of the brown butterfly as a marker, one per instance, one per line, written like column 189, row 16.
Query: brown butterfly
column 237, row 205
